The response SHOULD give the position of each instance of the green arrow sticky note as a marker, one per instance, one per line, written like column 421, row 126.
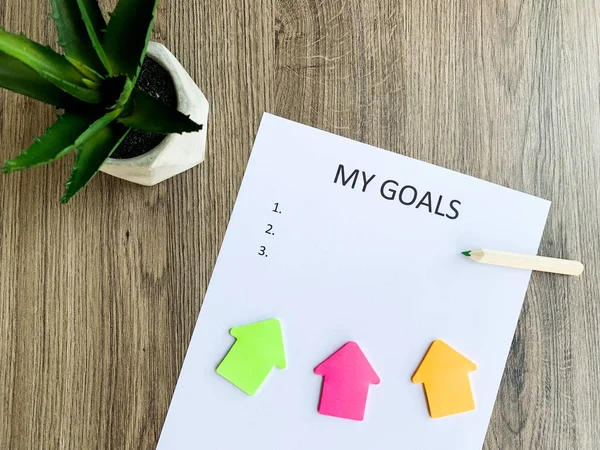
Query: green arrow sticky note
column 257, row 349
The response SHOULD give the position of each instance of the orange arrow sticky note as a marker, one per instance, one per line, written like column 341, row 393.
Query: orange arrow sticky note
column 444, row 374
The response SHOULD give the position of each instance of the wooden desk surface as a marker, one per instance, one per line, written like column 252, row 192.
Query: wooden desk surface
column 98, row 299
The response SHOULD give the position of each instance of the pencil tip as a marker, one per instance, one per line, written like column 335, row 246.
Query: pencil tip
column 467, row 253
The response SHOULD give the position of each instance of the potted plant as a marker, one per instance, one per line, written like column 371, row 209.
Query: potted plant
column 121, row 112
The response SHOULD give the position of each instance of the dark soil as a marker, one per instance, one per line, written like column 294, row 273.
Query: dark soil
column 157, row 82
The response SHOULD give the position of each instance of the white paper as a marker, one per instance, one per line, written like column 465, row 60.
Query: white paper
column 345, row 265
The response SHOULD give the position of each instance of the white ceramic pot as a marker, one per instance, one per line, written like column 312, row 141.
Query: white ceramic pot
column 177, row 152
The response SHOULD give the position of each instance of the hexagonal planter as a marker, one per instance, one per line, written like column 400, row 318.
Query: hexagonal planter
column 177, row 152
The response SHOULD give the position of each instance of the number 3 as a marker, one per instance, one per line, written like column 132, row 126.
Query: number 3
column 263, row 251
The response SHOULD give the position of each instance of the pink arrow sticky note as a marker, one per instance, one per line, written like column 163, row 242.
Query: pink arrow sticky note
column 347, row 375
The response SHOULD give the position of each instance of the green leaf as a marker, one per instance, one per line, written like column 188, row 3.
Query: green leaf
column 125, row 93
column 153, row 116
column 96, row 21
column 95, row 127
column 90, row 157
column 127, row 36
column 91, row 74
column 73, row 34
column 95, row 26
column 55, row 143
column 50, row 65
column 17, row 77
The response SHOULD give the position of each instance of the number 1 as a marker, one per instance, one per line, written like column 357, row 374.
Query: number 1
column 276, row 210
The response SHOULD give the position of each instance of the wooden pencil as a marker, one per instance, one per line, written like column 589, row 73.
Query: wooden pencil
column 530, row 262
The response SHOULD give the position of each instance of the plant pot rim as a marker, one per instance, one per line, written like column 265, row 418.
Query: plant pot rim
column 177, row 152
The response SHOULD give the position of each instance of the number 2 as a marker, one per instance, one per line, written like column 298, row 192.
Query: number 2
column 269, row 229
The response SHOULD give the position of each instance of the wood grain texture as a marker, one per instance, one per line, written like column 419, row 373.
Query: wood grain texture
column 98, row 299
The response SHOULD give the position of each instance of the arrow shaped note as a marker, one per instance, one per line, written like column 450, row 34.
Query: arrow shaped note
column 444, row 374
column 257, row 349
column 347, row 375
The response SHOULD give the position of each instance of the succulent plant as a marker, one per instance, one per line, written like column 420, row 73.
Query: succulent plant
column 93, row 85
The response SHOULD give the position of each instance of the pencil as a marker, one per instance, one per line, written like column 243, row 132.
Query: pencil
column 530, row 262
